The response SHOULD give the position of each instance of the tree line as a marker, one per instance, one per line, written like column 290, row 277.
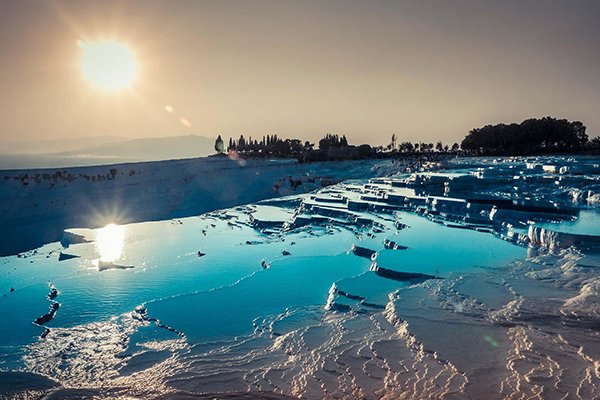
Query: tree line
column 532, row 136
column 330, row 147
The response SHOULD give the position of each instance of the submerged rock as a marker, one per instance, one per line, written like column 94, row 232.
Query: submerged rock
column 69, row 238
column 388, row 244
column 399, row 275
column 105, row 265
column 48, row 316
column 399, row 225
column 363, row 252
column 53, row 293
column 65, row 256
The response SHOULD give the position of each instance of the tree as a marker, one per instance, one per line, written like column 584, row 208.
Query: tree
column 219, row 146
column 393, row 142
column 593, row 144
column 332, row 141
column 406, row 147
column 365, row 151
column 242, row 141
column 343, row 141
column 439, row 146
column 532, row 136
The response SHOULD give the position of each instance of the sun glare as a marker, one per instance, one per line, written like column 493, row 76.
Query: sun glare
column 109, row 242
column 108, row 65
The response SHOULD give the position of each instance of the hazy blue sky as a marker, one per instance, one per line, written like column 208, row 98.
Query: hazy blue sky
column 422, row 69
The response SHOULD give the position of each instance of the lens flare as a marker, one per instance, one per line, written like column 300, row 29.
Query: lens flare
column 185, row 122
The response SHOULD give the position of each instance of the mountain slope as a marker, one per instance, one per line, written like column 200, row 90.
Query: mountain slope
column 45, row 146
column 149, row 149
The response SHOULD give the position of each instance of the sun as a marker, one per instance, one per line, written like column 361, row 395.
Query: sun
column 108, row 65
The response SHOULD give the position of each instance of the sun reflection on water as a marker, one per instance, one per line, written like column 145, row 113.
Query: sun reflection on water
column 109, row 242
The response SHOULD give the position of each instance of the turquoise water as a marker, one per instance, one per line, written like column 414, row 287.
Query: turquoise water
column 169, row 276
column 253, row 290
column 587, row 222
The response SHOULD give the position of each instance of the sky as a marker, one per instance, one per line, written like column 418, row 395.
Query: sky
column 424, row 70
